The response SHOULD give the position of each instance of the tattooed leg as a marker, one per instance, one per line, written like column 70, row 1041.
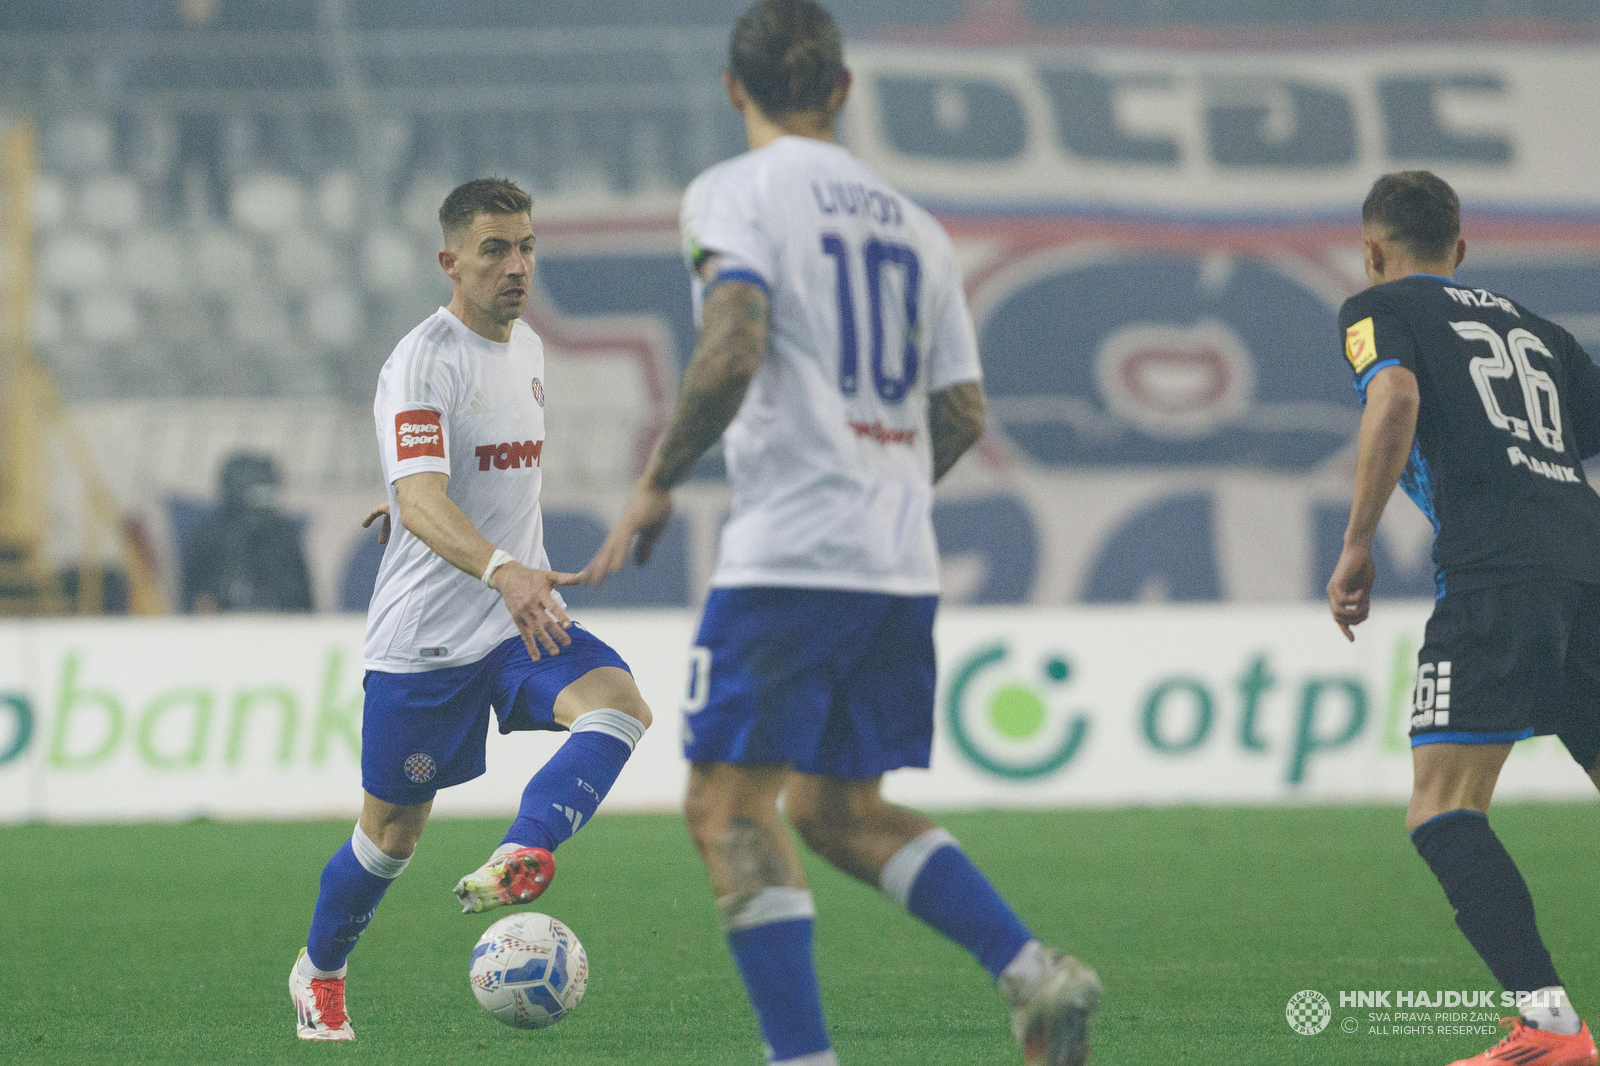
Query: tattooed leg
column 761, row 894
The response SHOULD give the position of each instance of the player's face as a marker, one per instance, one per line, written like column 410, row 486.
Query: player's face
column 492, row 264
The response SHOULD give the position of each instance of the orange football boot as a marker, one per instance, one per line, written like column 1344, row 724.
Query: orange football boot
column 1527, row 1046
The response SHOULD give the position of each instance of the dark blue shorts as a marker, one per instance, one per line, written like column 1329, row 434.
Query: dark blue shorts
column 831, row 682
column 426, row 731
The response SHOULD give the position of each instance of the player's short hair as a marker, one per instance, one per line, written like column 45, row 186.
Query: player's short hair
column 481, row 196
column 788, row 55
column 1418, row 209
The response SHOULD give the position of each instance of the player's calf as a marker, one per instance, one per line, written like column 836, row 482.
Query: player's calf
column 567, row 790
column 1051, row 995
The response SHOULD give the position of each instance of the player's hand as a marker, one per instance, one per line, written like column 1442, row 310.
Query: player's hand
column 643, row 521
column 1350, row 588
column 381, row 511
column 529, row 595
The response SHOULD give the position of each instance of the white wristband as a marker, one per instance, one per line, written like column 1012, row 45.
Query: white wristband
column 500, row 558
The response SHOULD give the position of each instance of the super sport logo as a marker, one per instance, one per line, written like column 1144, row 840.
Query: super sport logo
column 418, row 433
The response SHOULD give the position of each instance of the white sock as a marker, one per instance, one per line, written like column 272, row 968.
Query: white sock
column 1548, row 1010
column 612, row 723
column 900, row 873
column 310, row 972
column 1023, row 973
column 373, row 859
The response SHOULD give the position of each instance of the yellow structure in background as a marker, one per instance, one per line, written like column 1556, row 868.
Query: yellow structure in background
column 32, row 417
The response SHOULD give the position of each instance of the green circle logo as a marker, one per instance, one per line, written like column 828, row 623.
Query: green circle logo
column 1014, row 711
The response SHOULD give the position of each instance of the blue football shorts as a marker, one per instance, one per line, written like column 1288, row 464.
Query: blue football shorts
column 425, row 731
column 832, row 682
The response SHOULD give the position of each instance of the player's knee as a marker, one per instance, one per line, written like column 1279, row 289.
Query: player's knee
column 637, row 709
column 398, row 840
column 824, row 827
column 807, row 821
column 702, row 809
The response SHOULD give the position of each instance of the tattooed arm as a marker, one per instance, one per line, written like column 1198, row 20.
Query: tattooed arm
column 733, row 339
column 955, row 422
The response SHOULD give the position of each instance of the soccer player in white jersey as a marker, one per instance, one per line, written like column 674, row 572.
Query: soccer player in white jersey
column 837, row 362
column 465, row 618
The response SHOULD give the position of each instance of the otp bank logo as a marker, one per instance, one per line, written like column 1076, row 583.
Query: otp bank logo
column 1012, row 725
column 16, row 726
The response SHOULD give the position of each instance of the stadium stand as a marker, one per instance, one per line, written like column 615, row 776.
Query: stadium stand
column 234, row 209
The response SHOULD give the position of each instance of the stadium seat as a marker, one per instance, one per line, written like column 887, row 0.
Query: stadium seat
column 389, row 261
column 257, row 316
column 268, row 202
column 111, row 203
column 47, row 322
column 72, row 261
column 106, row 318
column 51, row 202
column 304, row 261
column 220, row 259
column 420, row 208
column 338, row 208
column 79, row 143
column 334, row 317
column 152, row 261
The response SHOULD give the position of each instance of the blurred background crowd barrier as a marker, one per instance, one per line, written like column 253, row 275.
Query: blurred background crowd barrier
column 219, row 217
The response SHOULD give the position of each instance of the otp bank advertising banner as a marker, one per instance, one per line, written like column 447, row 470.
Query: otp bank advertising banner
column 258, row 718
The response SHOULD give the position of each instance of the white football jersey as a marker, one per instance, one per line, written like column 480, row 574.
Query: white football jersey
column 453, row 401
column 829, row 455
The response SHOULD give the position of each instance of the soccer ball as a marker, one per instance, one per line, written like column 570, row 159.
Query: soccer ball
column 528, row 970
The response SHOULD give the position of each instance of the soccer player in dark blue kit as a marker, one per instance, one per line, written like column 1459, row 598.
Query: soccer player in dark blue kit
column 1483, row 412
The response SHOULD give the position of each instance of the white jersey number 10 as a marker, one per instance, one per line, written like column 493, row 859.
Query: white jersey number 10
column 875, row 256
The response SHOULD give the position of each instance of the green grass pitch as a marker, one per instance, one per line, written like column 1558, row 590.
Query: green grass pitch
column 171, row 944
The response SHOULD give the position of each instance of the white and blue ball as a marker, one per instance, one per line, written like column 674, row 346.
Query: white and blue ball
column 528, row 970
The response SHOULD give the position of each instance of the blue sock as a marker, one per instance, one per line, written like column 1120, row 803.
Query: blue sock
column 565, row 792
column 933, row 879
column 353, row 882
column 771, row 941
column 1493, row 906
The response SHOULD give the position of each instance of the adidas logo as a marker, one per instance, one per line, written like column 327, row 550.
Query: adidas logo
column 575, row 817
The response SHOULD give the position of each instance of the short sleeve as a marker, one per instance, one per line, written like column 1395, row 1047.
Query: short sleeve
column 955, row 341
column 721, row 216
column 416, row 396
column 1583, row 399
column 1375, row 337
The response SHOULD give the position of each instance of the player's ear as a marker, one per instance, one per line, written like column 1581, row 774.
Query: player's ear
column 841, row 92
column 447, row 263
column 736, row 94
column 1372, row 251
column 1461, row 250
